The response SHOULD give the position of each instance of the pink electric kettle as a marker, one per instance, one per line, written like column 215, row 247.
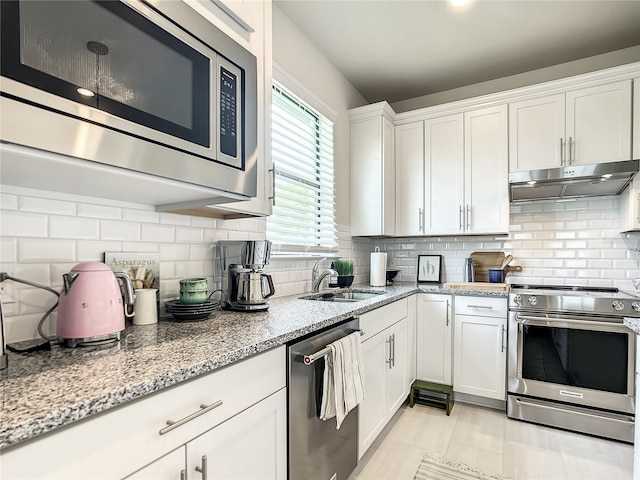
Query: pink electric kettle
column 91, row 310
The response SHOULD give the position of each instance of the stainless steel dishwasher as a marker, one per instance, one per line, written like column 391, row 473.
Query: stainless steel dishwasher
column 317, row 451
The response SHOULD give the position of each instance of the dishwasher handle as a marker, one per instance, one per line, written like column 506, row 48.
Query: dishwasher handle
column 309, row 359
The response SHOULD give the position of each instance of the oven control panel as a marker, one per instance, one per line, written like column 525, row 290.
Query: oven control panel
column 573, row 302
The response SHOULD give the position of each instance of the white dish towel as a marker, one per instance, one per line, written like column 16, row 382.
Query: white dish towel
column 343, row 379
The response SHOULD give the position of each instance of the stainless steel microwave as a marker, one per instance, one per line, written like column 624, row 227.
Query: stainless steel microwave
column 148, row 86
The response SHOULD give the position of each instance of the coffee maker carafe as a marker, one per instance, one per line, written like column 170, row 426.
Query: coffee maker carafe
column 245, row 287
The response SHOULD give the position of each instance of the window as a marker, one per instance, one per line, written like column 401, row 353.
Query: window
column 303, row 218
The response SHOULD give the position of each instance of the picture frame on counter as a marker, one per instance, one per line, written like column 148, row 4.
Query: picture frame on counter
column 430, row 269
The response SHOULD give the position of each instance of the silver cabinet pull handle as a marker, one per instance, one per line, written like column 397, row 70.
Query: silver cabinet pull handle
column 447, row 324
column 393, row 355
column 203, row 469
column 561, row 151
column 570, row 158
column 183, row 475
column 486, row 307
column 203, row 409
column 468, row 216
column 461, row 219
column 502, row 341
column 389, row 359
column 273, row 186
column 420, row 226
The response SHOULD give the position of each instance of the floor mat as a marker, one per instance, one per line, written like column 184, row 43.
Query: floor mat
column 437, row 467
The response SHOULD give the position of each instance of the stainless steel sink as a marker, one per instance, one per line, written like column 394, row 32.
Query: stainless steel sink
column 343, row 296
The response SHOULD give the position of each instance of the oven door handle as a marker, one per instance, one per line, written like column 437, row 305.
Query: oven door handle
column 569, row 322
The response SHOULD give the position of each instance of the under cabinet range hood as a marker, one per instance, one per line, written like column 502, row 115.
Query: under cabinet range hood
column 572, row 181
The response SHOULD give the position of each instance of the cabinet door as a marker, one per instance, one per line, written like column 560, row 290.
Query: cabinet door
column 630, row 207
column 409, row 174
column 599, row 124
column 444, row 175
column 435, row 336
column 636, row 118
column 372, row 411
column 412, row 338
column 372, row 177
column 480, row 356
column 396, row 381
column 252, row 444
column 536, row 133
column 169, row 467
column 486, row 172
column 630, row 198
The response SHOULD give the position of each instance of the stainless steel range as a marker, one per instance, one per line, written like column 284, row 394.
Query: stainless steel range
column 571, row 359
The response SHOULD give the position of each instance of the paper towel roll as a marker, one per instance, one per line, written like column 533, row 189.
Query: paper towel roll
column 378, row 277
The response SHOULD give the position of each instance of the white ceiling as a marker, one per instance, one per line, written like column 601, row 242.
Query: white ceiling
column 396, row 49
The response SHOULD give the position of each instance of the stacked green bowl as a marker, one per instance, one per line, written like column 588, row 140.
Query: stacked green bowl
column 193, row 290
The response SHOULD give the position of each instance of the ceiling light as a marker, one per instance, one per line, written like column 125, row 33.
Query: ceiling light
column 458, row 3
column 85, row 92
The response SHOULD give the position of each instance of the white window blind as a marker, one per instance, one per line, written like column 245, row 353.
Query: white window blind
column 303, row 218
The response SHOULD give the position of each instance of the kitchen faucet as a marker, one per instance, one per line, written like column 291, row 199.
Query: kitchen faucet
column 317, row 277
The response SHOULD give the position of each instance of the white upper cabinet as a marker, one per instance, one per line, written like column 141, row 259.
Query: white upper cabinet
column 372, row 170
column 486, row 191
column 444, row 175
column 254, row 18
column 448, row 173
column 581, row 127
column 630, row 198
column 636, row 118
column 409, row 172
column 536, row 133
column 466, row 173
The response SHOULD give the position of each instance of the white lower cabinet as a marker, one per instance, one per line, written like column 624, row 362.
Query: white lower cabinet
column 169, row 467
column 434, row 338
column 396, row 372
column 221, row 453
column 127, row 442
column 259, row 432
column 480, row 348
column 385, row 358
column 636, row 433
column 412, row 340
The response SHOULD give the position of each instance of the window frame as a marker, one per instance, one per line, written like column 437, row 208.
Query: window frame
column 288, row 83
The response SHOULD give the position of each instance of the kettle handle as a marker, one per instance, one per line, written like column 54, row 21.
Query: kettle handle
column 129, row 296
column 272, row 289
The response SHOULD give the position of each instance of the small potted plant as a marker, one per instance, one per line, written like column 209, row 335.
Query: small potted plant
column 345, row 272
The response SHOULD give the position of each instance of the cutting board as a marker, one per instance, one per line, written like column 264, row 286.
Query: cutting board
column 499, row 287
column 483, row 261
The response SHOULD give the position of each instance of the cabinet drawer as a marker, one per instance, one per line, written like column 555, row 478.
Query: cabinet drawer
column 481, row 306
column 374, row 322
column 118, row 442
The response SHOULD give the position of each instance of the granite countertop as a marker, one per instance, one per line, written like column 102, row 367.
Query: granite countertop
column 633, row 324
column 45, row 390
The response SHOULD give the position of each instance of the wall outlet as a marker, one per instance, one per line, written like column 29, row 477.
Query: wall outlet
column 6, row 294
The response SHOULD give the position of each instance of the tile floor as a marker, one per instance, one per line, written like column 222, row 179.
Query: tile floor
column 487, row 440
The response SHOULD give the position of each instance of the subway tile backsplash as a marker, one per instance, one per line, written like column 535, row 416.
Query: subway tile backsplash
column 569, row 242
column 43, row 235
